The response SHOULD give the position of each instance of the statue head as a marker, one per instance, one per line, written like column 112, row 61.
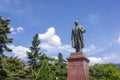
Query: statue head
column 76, row 22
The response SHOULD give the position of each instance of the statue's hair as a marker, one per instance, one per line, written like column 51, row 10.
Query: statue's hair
column 76, row 21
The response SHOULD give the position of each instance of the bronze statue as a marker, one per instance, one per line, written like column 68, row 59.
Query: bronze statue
column 77, row 37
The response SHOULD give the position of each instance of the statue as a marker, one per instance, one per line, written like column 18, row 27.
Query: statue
column 77, row 37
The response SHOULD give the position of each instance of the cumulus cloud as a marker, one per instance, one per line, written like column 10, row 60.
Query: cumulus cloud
column 52, row 42
column 50, row 37
column 19, row 51
column 109, row 58
column 19, row 29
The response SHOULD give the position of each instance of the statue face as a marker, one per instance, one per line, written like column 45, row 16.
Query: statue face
column 76, row 22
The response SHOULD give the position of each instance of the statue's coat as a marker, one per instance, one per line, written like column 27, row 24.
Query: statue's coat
column 77, row 38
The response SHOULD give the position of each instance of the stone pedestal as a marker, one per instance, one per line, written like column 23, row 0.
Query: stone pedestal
column 78, row 68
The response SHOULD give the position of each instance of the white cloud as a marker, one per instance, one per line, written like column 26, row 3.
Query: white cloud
column 113, row 57
column 89, row 49
column 50, row 37
column 55, row 57
column 19, row 51
column 15, row 30
column 109, row 58
column 94, row 60
column 52, row 43
column 19, row 29
column 119, row 39
column 92, row 49
column 12, row 30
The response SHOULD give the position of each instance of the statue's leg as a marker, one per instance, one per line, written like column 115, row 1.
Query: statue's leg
column 80, row 48
column 81, row 51
column 77, row 50
column 77, row 47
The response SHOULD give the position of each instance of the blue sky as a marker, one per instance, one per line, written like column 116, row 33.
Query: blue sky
column 53, row 20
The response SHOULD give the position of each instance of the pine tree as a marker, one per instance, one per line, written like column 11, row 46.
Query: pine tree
column 44, row 72
column 33, row 55
column 4, row 40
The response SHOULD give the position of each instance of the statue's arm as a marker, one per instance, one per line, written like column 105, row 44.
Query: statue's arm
column 82, row 29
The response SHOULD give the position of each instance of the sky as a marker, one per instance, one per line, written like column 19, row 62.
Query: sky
column 53, row 20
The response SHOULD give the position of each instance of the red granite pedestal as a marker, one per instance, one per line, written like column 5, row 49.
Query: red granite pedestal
column 78, row 68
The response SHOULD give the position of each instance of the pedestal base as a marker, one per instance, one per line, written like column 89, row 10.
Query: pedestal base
column 78, row 68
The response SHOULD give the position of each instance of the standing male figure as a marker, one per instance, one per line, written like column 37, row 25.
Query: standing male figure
column 77, row 37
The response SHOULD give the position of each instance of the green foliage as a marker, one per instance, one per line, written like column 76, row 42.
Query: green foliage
column 3, row 74
column 44, row 72
column 57, row 67
column 13, row 64
column 104, row 72
column 34, row 54
column 40, row 66
column 4, row 40
column 61, row 68
column 4, row 30
column 14, row 67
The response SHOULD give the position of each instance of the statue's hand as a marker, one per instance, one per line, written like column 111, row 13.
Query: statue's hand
column 82, row 29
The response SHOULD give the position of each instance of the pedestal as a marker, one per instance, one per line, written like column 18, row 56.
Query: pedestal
column 78, row 68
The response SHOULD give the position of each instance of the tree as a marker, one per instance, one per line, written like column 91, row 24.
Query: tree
column 33, row 55
column 44, row 72
column 104, row 72
column 4, row 40
column 14, row 67
column 4, row 30
column 61, row 72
